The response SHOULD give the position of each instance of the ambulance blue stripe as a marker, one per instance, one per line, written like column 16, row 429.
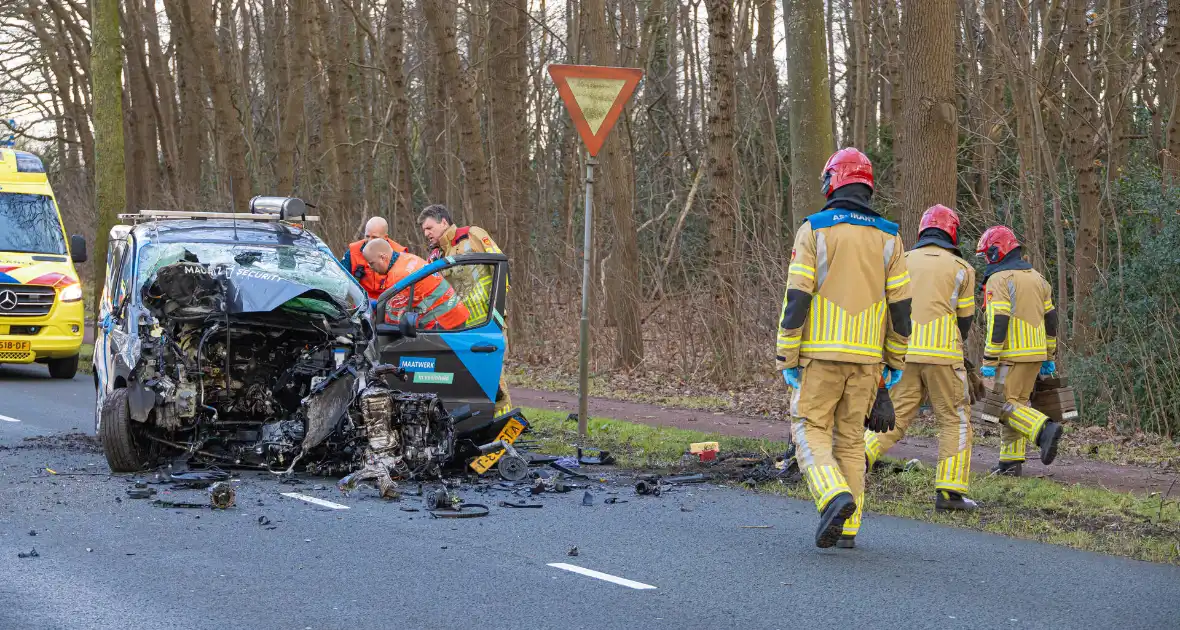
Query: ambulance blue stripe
column 7, row 279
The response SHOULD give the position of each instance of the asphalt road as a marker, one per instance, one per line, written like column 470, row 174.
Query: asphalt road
column 107, row 561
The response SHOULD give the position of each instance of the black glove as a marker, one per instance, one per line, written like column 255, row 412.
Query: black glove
column 359, row 272
column 881, row 418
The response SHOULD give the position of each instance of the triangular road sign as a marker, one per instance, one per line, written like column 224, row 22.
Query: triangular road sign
column 594, row 97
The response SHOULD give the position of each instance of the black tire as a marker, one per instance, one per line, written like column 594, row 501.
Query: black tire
column 118, row 444
column 64, row 368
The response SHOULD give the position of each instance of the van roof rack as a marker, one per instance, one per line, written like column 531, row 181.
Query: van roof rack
column 158, row 215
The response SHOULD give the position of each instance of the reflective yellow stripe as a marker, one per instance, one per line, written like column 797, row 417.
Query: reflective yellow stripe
column 954, row 472
column 1013, row 451
column 802, row 270
column 872, row 447
column 899, row 280
column 932, row 352
column 1048, row 305
column 894, row 346
column 964, row 302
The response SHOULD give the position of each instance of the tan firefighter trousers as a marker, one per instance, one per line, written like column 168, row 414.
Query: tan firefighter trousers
column 828, row 418
column 946, row 386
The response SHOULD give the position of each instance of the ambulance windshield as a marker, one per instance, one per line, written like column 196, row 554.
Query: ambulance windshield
column 29, row 224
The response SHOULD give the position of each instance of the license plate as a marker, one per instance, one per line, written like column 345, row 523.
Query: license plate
column 508, row 435
column 14, row 346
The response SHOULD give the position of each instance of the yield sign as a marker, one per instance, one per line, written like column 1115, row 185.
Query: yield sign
column 594, row 97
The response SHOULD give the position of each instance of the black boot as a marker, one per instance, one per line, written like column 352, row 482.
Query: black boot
column 1047, row 441
column 1008, row 469
column 831, row 521
column 946, row 500
column 846, row 542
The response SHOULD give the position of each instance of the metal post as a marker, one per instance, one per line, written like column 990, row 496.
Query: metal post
column 584, row 336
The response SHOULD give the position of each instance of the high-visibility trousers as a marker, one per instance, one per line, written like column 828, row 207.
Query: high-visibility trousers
column 828, row 413
column 1023, row 423
column 946, row 387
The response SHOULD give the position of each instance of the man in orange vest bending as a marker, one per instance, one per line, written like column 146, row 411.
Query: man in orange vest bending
column 354, row 261
column 435, row 301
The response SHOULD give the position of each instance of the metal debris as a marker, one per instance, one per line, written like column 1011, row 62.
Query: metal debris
column 522, row 504
column 221, row 495
column 587, row 499
column 31, row 554
column 573, row 552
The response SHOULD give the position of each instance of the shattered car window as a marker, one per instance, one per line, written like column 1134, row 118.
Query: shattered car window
column 307, row 266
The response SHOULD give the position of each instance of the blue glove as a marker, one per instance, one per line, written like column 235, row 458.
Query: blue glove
column 791, row 376
column 988, row 371
column 892, row 377
column 1048, row 368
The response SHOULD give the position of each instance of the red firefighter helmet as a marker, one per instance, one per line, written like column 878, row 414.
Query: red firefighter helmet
column 847, row 166
column 943, row 218
column 996, row 243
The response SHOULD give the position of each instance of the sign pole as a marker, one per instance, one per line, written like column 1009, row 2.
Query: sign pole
column 584, row 333
column 594, row 96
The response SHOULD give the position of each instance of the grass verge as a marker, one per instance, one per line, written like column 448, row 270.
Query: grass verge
column 86, row 358
column 1090, row 519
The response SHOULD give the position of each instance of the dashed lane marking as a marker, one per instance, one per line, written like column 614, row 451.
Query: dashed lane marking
column 8, row 419
column 315, row 501
column 606, row 577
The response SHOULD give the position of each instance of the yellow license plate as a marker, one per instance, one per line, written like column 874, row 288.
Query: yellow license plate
column 508, row 435
column 14, row 346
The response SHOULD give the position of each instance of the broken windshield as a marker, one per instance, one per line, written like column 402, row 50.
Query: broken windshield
column 303, row 265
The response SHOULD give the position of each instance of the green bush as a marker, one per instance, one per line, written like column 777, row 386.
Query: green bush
column 1128, row 374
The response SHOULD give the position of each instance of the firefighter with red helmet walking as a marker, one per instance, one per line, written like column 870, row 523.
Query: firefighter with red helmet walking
column 943, row 309
column 846, row 284
column 1021, row 343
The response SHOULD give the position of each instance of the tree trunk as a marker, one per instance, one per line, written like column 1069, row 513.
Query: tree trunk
column 302, row 17
column 860, row 69
column 166, row 116
column 928, row 146
column 190, row 141
column 1171, row 160
column 809, row 103
column 771, row 181
column 142, row 116
column 402, row 202
column 107, row 85
column 1024, row 98
column 993, row 116
column 618, row 200
column 891, row 98
column 337, row 45
column 440, row 17
column 1082, row 154
column 227, row 121
column 723, row 200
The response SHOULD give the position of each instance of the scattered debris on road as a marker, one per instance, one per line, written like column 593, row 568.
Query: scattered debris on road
column 31, row 554
column 573, row 552
column 222, row 495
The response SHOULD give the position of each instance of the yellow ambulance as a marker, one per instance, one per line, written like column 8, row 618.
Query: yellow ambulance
column 41, row 314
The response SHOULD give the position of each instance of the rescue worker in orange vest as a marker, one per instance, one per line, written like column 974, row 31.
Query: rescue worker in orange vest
column 1021, row 343
column 847, row 277
column 475, row 281
column 354, row 261
column 437, row 304
column 943, row 309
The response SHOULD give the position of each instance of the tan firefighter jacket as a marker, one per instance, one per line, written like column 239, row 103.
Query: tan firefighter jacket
column 848, row 274
column 1021, row 318
column 943, row 292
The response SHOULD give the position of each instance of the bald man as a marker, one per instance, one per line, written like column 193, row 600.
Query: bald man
column 435, row 300
column 354, row 261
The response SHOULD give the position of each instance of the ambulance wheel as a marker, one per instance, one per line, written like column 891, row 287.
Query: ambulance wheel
column 63, row 368
column 118, row 444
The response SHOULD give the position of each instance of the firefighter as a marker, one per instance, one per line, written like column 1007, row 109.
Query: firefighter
column 1021, row 343
column 354, row 261
column 435, row 301
column 943, row 309
column 847, row 276
column 447, row 239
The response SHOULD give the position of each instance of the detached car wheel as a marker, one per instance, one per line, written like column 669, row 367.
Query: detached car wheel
column 63, row 368
column 118, row 444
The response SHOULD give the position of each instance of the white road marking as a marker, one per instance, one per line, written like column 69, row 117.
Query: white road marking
column 8, row 419
column 640, row 586
column 319, row 502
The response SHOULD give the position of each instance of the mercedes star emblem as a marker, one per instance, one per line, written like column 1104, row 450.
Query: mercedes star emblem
column 7, row 300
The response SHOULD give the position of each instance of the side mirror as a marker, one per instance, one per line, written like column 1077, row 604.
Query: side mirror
column 78, row 248
column 409, row 325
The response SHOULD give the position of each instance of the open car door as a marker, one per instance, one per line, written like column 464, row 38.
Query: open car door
column 460, row 363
